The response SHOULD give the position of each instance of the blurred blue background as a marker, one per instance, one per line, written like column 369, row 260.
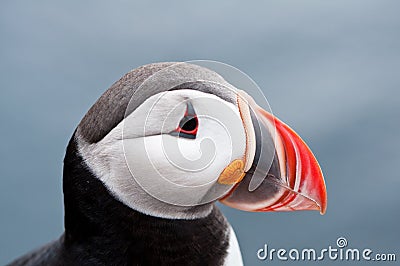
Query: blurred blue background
column 330, row 69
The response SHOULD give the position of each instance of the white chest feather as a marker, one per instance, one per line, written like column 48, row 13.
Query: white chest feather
column 234, row 257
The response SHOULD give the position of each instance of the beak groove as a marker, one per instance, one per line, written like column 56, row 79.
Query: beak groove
column 287, row 177
column 305, row 181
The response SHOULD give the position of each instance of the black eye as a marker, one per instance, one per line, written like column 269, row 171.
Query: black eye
column 188, row 125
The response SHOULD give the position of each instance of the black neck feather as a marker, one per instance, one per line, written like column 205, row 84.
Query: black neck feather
column 100, row 230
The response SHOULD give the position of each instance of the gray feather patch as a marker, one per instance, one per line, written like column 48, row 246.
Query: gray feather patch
column 125, row 95
column 110, row 108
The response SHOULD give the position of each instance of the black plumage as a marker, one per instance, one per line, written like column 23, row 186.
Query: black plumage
column 100, row 230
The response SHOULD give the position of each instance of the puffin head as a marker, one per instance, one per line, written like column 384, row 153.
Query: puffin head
column 170, row 139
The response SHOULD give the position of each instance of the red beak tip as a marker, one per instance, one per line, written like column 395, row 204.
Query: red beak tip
column 322, row 210
column 303, row 187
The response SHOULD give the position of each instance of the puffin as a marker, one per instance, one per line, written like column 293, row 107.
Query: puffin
column 146, row 165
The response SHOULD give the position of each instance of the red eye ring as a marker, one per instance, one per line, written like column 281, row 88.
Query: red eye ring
column 191, row 123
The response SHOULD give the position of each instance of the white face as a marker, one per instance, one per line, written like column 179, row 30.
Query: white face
column 156, row 163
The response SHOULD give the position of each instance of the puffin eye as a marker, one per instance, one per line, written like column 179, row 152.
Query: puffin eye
column 188, row 125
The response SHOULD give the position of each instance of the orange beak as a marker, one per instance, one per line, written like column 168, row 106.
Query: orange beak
column 284, row 175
